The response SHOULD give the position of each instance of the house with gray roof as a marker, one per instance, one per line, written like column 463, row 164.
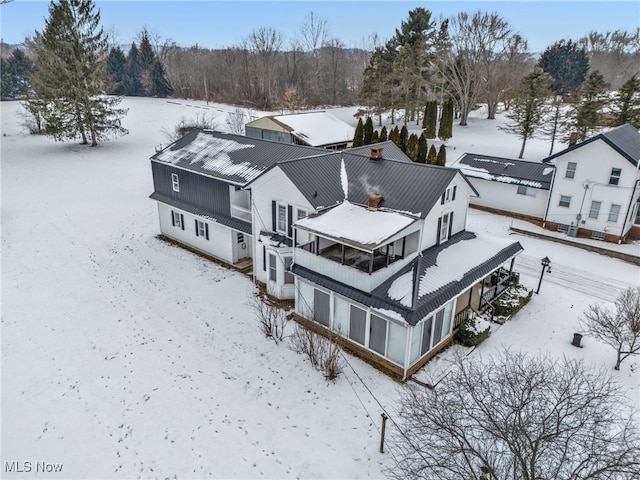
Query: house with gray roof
column 375, row 250
column 315, row 129
column 596, row 188
column 508, row 185
column 199, row 185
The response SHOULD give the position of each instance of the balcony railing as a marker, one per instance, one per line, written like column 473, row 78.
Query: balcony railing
column 241, row 213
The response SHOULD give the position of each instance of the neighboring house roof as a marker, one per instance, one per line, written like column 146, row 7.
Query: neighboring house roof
column 506, row 170
column 355, row 225
column 404, row 186
column 232, row 158
column 442, row 272
column 391, row 151
column 315, row 128
column 624, row 139
column 233, row 223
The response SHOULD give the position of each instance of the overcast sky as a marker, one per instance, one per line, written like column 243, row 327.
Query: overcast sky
column 217, row 24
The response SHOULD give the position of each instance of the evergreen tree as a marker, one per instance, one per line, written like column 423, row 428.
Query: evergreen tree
column 132, row 82
column 567, row 64
column 159, row 85
column 412, row 147
column 376, row 81
column 16, row 73
column 358, row 137
column 587, row 116
column 368, row 131
column 432, row 157
column 383, row 134
column 146, row 55
column 394, row 135
column 424, row 116
column 625, row 107
column 445, row 132
column 69, row 82
column 442, row 156
column 431, row 119
column 528, row 110
column 116, row 62
column 422, row 148
column 375, row 138
column 404, row 138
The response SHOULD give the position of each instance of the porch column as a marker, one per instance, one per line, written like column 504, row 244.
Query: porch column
column 342, row 257
column 387, row 254
column 513, row 261
column 371, row 263
column 470, row 295
column 317, row 245
column 481, row 293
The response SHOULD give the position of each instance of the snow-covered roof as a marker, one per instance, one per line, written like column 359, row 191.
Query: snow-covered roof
column 505, row 170
column 233, row 158
column 316, row 128
column 451, row 266
column 442, row 272
column 356, row 225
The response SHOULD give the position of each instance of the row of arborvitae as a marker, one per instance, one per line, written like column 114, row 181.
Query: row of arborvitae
column 414, row 146
column 323, row 353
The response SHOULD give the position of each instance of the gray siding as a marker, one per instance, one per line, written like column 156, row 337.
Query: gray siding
column 262, row 134
column 206, row 193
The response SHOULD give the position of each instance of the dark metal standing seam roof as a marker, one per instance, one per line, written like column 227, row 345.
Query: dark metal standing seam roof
column 520, row 171
column 404, row 186
column 233, row 223
column 624, row 139
column 427, row 303
column 242, row 158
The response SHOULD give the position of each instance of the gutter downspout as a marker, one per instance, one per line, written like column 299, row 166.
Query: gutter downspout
column 546, row 211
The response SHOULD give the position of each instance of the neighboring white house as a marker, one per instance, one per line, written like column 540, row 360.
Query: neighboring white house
column 315, row 129
column 375, row 250
column 595, row 190
column 514, row 186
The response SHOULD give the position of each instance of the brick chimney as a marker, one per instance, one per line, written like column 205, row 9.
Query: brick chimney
column 374, row 201
column 573, row 138
column 376, row 153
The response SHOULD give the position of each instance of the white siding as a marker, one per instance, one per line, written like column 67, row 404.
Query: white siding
column 591, row 183
column 504, row 196
column 459, row 208
column 221, row 238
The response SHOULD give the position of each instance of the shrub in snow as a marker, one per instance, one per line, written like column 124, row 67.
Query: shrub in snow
column 473, row 332
column 512, row 300
column 322, row 352
column 271, row 318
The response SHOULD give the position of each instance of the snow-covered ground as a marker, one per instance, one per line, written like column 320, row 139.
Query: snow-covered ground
column 126, row 357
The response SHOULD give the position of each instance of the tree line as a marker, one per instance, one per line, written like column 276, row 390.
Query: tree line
column 468, row 59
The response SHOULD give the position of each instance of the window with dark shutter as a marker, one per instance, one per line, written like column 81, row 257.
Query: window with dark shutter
column 197, row 234
column 206, row 231
column 450, row 224
column 173, row 218
column 439, row 228
column 264, row 258
column 453, row 197
column 442, row 199
column 182, row 221
column 274, row 208
column 289, row 218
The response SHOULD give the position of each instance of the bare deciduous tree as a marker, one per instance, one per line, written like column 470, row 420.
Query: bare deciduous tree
column 236, row 121
column 517, row 417
column 322, row 352
column 620, row 328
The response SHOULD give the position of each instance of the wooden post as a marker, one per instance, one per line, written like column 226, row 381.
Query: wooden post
column 384, row 423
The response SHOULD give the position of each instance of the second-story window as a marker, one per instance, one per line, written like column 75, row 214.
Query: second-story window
column 282, row 218
column 175, row 182
column 595, row 209
column 571, row 170
column 614, row 179
column 565, row 201
column 445, row 226
column 614, row 213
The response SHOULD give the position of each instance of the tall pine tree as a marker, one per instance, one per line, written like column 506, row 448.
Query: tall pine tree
column 132, row 82
column 358, row 136
column 422, row 148
column 625, row 107
column 404, row 138
column 442, row 156
column 69, row 81
column 412, row 147
column 394, row 135
column 159, row 85
column 528, row 106
column 116, row 71
column 431, row 119
column 587, row 115
column 368, row 131
column 445, row 132
column 383, row 137
column 432, row 157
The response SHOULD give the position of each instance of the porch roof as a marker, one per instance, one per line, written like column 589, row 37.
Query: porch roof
column 442, row 272
column 356, row 225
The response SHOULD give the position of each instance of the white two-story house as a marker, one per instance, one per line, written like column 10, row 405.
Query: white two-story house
column 375, row 250
column 595, row 192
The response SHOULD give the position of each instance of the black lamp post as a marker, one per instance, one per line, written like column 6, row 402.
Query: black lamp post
column 546, row 264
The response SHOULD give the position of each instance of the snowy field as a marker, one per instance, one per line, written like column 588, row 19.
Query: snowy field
column 125, row 357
